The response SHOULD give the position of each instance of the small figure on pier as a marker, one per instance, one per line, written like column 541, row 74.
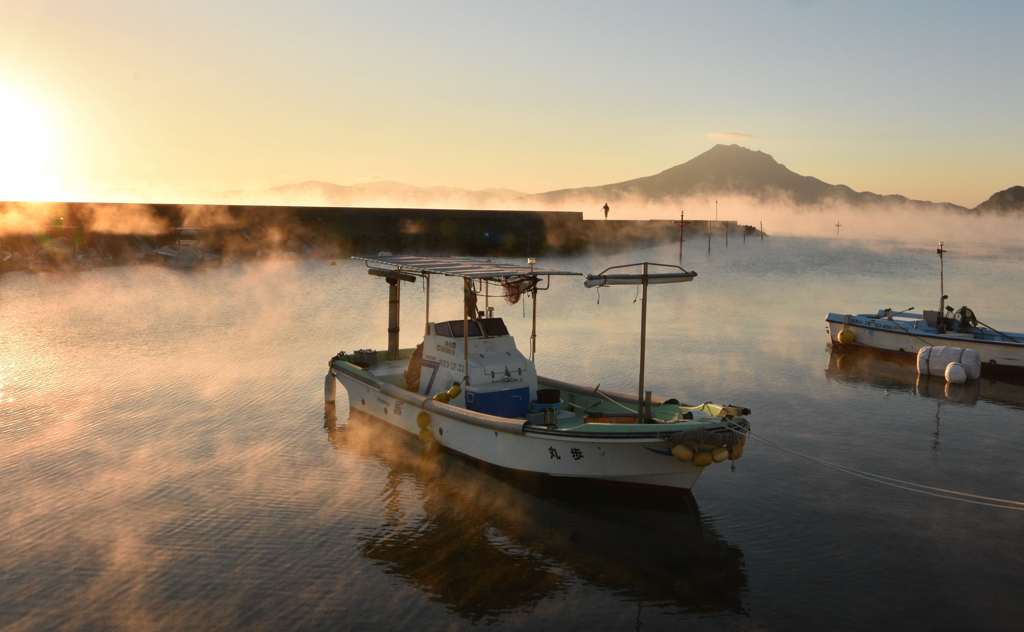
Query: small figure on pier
column 606, row 209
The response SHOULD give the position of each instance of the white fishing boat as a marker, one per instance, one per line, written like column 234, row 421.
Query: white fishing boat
column 908, row 331
column 469, row 389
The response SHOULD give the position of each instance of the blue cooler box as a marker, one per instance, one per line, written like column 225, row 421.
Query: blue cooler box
column 514, row 402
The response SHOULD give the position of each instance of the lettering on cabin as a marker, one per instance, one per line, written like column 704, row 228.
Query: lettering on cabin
column 576, row 453
column 447, row 347
column 452, row 365
column 553, row 454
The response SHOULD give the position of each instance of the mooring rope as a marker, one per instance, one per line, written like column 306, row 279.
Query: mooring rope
column 908, row 332
column 910, row 486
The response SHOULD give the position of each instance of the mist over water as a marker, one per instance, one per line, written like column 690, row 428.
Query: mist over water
column 164, row 461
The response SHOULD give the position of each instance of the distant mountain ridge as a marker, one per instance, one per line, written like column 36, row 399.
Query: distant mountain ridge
column 732, row 169
column 1005, row 201
column 721, row 170
column 316, row 191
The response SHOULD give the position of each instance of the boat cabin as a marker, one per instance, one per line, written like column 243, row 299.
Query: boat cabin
column 499, row 380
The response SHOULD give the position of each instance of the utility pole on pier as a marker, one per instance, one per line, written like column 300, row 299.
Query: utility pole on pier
column 838, row 226
column 682, row 219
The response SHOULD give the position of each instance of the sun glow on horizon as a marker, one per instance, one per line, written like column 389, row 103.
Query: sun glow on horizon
column 28, row 149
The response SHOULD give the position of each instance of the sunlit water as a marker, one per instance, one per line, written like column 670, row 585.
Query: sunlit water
column 164, row 460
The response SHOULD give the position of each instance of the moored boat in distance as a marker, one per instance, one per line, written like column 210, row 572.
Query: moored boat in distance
column 469, row 389
column 907, row 331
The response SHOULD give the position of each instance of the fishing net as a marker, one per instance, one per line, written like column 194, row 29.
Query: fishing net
column 514, row 289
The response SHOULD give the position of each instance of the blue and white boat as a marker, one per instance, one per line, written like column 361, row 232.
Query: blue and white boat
column 468, row 388
column 907, row 331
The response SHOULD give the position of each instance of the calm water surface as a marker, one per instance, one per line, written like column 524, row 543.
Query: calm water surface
column 164, row 461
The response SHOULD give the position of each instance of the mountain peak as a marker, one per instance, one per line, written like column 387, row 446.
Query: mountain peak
column 1011, row 199
column 733, row 148
column 734, row 169
column 730, row 157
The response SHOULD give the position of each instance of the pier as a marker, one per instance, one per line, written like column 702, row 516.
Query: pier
column 246, row 231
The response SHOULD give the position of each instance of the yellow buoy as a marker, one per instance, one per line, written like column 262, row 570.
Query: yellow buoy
column 846, row 336
column 425, row 436
column 454, row 391
column 423, row 420
column 682, row 453
column 442, row 397
column 702, row 459
column 719, row 454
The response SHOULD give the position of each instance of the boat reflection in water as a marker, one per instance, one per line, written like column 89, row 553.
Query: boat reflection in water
column 898, row 372
column 487, row 541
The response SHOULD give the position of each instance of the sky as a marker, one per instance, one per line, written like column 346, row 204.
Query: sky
column 164, row 100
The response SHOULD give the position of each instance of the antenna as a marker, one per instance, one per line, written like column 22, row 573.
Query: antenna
column 941, row 321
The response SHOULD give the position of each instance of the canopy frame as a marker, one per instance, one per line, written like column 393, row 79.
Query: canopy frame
column 471, row 271
column 644, row 278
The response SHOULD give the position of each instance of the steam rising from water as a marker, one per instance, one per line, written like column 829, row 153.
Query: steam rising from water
column 164, row 464
column 779, row 216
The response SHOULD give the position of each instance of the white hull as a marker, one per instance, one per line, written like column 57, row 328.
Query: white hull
column 1001, row 355
column 511, row 444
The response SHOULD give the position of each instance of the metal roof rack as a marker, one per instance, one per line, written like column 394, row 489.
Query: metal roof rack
column 465, row 267
column 603, row 279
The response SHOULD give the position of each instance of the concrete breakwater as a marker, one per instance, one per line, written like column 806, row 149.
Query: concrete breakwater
column 88, row 234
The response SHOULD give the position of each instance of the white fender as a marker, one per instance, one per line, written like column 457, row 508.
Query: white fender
column 955, row 373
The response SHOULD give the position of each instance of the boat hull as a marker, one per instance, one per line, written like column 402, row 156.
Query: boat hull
column 516, row 446
column 995, row 356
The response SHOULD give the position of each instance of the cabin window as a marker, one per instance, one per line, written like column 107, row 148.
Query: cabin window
column 457, row 332
column 477, row 328
column 494, row 327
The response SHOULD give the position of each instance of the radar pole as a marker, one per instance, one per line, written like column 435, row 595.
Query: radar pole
column 941, row 320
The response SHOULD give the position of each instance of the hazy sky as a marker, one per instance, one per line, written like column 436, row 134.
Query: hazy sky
column 920, row 98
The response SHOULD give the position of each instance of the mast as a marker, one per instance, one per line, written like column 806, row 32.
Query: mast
column 533, row 328
column 940, row 321
column 426, row 326
column 394, row 301
column 467, row 289
column 643, row 347
column 394, row 280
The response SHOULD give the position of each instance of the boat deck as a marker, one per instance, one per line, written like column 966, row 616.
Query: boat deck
column 583, row 410
column 914, row 325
